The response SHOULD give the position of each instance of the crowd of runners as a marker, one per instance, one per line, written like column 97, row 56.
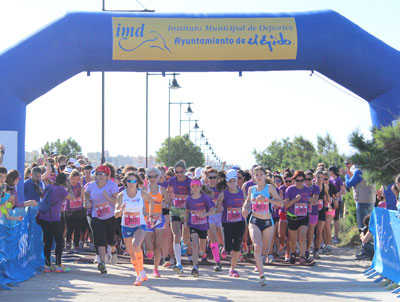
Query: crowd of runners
column 164, row 214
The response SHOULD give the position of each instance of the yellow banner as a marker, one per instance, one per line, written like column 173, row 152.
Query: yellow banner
column 204, row 39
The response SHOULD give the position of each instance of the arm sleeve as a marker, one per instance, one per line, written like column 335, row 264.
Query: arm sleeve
column 354, row 180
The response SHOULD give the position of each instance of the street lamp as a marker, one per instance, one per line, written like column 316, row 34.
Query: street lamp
column 196, row 127
column 172, row 85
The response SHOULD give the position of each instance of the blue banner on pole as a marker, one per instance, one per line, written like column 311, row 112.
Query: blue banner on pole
column 21, row 248
column 385, row 226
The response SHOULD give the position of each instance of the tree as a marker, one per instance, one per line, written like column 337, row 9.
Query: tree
column 299, row 154
column 181, row 147
column 379, row 157
column 69, row 147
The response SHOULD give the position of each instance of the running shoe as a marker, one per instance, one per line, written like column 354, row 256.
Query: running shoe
column 307, row 254
column 293, row 258
column 178, row 269
column 143, row 276
column 218, row 267
column 263, row 280
column 204, row 258
column 48, row 269
column 195, row 272
column 335, row 240
column 156, row 274
column 302, row 261
column 137, row 282
column 224, row 254
column 114, row 258
column 233, row 273
column 271, row 259
column 316, row 255
column 102, row 268
column 190, row 259
column 61, row 269
column 68, row 245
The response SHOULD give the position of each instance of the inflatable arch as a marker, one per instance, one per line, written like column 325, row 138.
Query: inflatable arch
column 323, row 41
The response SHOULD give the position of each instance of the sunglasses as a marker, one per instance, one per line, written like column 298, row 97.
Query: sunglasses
column 309, row 179
column 178, row 172
column 101, row 174
column 278, row 180
column 326, row 178
column 299, row 180
column 212, row 177
column 240, row 178
column 152, row 176
column 131, row 181
column 288, row 181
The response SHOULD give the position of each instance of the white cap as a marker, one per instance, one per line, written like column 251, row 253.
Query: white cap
column 77, row 165
column 231, row 174
column 189, row 174
column 72, row 160
column 68, row 169
column 197, row 172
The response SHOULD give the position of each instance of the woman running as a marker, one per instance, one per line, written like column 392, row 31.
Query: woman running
column 130, row 205
column 198, row 206
column 215, row 223
column 322, row 206
column 332, row 202
column 312, row 211
column 283, row 227
column 155, row 235
column 230, row 201
column 101, row 197
column 297, row 198
column 179, row 185
column 261, row 224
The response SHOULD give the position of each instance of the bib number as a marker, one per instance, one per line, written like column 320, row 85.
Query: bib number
column 234, row 214
column 300, row 209
column 103, row 210
column 180, row 201
column 76, row 203
column 132, row 219
column 320, row 204
column 260, row 207
column 196, row 219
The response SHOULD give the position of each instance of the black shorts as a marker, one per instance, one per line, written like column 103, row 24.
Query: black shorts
column 293, row 225
column 103, row 231
column 322, row 215
column 262, row 224
column 275, row 219
column 233, row 235
column 165, row 212
column 339, row 210
column 202, row 234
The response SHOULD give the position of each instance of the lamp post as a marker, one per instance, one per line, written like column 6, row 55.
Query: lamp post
column 196, row 127
column 173, row 85
column 189, row 112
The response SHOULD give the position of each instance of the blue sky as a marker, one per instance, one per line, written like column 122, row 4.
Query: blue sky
column 224, row 103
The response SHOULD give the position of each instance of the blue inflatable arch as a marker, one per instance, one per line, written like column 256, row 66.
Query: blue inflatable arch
column 323, row 41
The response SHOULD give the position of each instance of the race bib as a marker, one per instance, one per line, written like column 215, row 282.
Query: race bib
column 300, row 209
column 260, row 207
column 320, row 204
column 157, row 221
column 180, row 201
column 103, row 210
column 132, row 219
column 234, row 214
column 76, row 203
column 196, row 219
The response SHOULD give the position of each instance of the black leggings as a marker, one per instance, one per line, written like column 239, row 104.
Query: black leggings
column 103, row 231
column 233, row 234
column 75, row 224
column 52, row 230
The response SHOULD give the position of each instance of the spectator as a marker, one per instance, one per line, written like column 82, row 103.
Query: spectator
column 34, row 186
column 367, row 241
column 12, row 180
column 363, row 193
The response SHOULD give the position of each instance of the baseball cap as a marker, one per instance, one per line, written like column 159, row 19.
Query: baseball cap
column 103, row 168
column 231, row 174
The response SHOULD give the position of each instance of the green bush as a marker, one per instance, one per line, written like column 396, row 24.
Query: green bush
column 348, row 226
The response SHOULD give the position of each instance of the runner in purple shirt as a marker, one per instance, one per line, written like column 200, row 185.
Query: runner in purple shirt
column 198, row 208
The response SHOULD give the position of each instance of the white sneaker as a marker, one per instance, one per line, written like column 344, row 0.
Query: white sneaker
column 114, row 258
column 96, row 259
column 271, row 258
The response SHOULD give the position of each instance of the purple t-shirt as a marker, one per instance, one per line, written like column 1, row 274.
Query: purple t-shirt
column 77, row 203
column 181, row 191
column 101, row 207
column 315, row 190
column 163, row 184
column 300, row 208
column 57, row 197
column 232, row 204
column 215, row 194
column 337, row 182
column 202, row 204
column 249, row 184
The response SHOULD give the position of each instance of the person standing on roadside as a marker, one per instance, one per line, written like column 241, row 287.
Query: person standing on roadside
column 363, row 193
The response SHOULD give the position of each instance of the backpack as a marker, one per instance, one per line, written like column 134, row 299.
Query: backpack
column 45, row 205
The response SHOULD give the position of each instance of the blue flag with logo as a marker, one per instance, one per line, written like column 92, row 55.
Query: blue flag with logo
column 385, row 226
column 21, row 248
